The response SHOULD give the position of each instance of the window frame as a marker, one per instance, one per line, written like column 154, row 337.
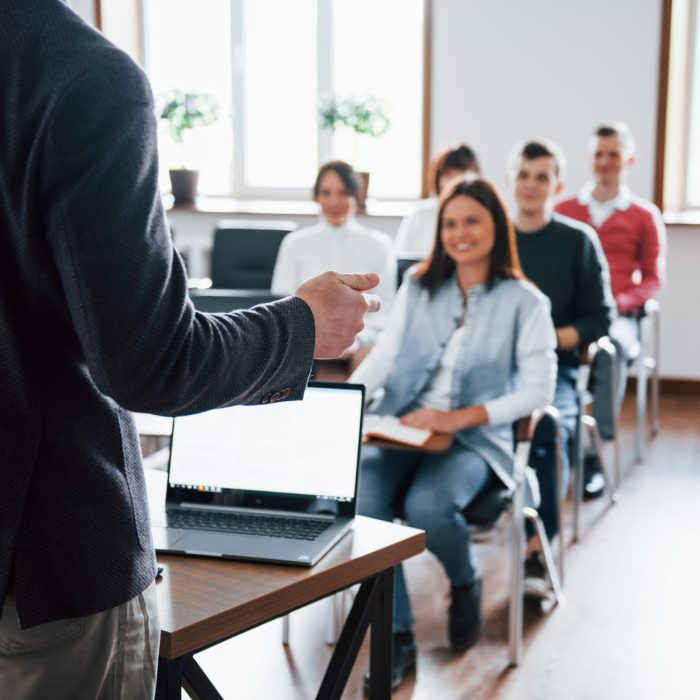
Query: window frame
column 675, row 101
column 243, row 191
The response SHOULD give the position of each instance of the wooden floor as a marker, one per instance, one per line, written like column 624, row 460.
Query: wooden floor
column 629, row 628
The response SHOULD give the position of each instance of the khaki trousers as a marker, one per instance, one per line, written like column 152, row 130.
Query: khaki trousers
column 112, row 655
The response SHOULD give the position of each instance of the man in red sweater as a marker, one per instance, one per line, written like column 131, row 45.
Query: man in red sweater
column 633, row 237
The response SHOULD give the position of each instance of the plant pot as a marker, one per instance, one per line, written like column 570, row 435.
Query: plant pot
column 184, row 185
column 362, row 190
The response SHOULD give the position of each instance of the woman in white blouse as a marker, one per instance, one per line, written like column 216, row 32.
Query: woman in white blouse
column 337, row 242
column 417, row 231
column 467, row 350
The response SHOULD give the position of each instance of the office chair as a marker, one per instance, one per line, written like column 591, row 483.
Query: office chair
column 244, row 253
column 486, row 510
column 587, row 427
column 224, row 300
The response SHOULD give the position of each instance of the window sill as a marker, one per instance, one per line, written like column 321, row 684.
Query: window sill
column 227, row 206
column 682, row 218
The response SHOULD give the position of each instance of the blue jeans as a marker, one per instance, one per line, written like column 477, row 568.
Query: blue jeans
column 543, row 455
column 429, row 490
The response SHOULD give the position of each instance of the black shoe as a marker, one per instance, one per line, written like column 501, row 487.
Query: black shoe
column 536, row 583
column 594, row 481
column 403, row 662
column 464, row 623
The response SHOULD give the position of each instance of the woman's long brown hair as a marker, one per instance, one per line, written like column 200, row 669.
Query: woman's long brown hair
column 504, row 255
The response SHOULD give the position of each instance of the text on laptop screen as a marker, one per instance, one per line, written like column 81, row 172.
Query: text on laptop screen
column 293, row 447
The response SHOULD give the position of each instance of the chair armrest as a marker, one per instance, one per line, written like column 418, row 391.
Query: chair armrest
column 651, row 308
column 524, row 428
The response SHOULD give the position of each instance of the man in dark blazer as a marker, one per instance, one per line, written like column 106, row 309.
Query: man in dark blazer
column 94, row 323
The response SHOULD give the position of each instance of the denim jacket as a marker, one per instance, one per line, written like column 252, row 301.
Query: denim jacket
column 506, row 361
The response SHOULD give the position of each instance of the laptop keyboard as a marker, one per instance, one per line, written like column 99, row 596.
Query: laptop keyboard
column 268, row 526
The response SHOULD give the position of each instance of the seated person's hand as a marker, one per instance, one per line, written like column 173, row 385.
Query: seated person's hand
column 431, row 419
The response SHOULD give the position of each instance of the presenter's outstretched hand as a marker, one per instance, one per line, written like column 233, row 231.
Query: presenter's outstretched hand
column 339, row 304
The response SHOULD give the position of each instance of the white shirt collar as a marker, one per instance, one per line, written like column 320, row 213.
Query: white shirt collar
column 350, row 224
column 621, row 202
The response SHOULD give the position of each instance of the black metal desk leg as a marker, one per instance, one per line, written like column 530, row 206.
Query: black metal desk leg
column 381, row 637
column 168, row 681
column 197, row 683
column 367, row 601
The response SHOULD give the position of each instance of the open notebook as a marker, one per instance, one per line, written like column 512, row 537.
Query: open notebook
column 390, row 428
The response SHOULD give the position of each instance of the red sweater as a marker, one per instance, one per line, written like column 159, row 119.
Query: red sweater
column 633, row 241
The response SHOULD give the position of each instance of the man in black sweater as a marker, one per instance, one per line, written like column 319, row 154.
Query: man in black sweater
column 94, row 323
column 565, row 260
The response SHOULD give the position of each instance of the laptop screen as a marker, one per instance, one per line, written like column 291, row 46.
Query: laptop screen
column 247, row 455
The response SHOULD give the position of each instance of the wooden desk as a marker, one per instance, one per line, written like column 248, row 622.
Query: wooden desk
column 205, row 601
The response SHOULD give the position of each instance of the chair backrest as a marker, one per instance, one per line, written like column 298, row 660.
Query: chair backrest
column 224, row 300
column 244, row 253
column 402, row 264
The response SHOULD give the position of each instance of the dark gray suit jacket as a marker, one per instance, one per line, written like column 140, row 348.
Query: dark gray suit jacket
column 94, row 318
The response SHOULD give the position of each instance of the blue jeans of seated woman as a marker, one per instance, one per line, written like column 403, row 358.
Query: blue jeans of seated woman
column 429, row 490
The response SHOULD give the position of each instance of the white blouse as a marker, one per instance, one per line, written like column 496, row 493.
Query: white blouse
column 348, row 248
column 416, row 235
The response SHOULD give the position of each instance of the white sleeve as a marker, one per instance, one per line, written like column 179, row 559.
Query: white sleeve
column 405, row 238
column 285, row 278
column 376, row 368
column 385, row 290
column 537, row 369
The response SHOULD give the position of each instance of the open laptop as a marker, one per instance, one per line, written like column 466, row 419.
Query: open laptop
column 275, row 483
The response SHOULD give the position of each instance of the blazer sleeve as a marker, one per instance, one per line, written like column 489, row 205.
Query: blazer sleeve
column 124, row 283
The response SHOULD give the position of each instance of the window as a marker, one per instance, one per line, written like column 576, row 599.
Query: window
column 269, row 63
column 681, row 183
column 692, row 188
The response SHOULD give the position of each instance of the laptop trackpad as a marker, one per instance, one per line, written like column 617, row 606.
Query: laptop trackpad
column 218, row 544
column 165, row 539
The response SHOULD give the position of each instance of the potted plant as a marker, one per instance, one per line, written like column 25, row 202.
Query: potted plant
column 184, row 111
column 364, row 117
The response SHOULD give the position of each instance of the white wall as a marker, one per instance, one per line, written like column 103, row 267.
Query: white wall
column 680, row 313
column 85, row 8
column 508, row 70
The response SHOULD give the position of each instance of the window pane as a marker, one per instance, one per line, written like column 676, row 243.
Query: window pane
column 188, row 48
column 366, row 63
column 693, row 182
column 279, row 103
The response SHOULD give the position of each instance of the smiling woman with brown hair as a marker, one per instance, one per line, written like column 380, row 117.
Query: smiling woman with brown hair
column 468, row 349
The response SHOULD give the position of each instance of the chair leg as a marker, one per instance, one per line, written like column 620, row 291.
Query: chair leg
column 640, row 433
column 515, row 608
column 533, row 516
column 656, row 342
column 285, row 630
column 336, row 603
column 578, row 481
column 562, row 498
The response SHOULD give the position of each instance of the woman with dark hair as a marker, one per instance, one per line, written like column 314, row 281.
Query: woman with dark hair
column 417, row 231
column 467, row 350
column 337, row 243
